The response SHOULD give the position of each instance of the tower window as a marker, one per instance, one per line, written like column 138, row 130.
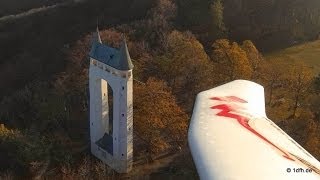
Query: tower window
column 122, row 88
column 111, row 56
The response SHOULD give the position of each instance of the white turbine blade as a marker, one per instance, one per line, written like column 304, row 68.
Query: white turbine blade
column 230, row 137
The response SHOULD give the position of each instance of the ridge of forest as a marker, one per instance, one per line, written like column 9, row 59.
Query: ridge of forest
column 179, row 48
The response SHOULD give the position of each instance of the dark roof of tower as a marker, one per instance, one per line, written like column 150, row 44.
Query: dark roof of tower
column 125, row 60
column 118, row 59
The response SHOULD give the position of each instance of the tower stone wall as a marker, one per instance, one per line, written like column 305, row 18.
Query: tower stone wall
column 114, row 67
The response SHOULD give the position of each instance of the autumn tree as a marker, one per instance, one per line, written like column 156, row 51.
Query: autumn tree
column 272, row 76
column 159, row 121
column 314, row 98
column 112, row 37
column 186, row 67
column 232, row 60
column 313, row 138
column 300, row 78
column 317, row 84
column 313, row 144
column 314, row 101
column 254, row 56
column 184, row 53
column 74, row 79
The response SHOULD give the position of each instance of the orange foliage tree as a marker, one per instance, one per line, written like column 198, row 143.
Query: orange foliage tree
column 254, row 56
column 158, row 120
column 313, row 141
column 300, row 78
column 232, row 60
column 272, row 76
column 186, row 67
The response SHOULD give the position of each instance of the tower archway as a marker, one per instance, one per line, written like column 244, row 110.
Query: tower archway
column 104, row 112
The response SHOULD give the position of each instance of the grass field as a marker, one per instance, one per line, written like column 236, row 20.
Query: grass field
column 308, row 52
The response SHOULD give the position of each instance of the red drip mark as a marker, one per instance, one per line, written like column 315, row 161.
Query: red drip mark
column 243, row 121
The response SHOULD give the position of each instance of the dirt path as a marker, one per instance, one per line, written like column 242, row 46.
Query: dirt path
column 32, row 11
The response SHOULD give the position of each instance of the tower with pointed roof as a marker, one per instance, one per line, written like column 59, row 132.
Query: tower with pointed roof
column 111, row 124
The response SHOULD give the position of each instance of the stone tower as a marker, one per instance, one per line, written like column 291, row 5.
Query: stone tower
column 111, row 120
